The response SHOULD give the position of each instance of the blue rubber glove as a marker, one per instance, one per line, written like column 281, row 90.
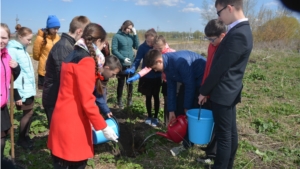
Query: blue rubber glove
column 130, row 70
column 133, row 78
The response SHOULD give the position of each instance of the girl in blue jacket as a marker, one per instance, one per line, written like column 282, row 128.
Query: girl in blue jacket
column 149, row 85
column 24, row 85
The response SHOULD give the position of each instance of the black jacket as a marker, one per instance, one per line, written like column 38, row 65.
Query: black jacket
column 224, row 82
column 56, row 56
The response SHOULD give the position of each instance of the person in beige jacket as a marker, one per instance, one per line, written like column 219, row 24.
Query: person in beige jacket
column 45, row 40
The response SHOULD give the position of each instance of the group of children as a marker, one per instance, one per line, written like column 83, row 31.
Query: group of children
column 73, row 72
column 84, row 41
column 215, row 84
column 24, row 85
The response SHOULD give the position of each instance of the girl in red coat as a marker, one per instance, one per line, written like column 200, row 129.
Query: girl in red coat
column 70, row 136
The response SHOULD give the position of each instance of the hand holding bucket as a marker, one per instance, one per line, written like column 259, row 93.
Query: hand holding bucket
column 111, row 132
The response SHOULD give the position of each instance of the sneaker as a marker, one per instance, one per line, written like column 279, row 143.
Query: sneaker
column 148, row 121
column 205, row 160
column 154, row 122
column 176, row 150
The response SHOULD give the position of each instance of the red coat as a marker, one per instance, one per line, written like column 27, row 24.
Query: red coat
column 70, row 135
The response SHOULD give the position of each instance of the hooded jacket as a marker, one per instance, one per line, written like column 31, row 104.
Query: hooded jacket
column 25, row 83
column 40, row 52
column 122, row 45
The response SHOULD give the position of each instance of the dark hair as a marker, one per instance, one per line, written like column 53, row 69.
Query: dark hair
column 238, row 4
column 6, row 28
column 150, row 32
column 91, row 33
column 126, row 24
column 158, row 38
column 151, row 57
column 78, row 22
column 113, row 62
column 214, row 27
column 46, row 33
column 24, row 31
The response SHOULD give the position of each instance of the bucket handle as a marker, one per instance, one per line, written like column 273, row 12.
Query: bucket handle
column 199, row 112
column 115, row 119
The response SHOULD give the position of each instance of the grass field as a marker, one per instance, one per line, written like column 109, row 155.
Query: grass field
column 268, row 123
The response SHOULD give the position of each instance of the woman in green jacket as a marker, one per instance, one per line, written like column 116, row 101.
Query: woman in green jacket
column 123, row 43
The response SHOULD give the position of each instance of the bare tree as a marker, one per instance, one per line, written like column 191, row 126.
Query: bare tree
column 249, row 10
column 282, row 11
column 249, row 7
column 264, row 14
column 208, row 10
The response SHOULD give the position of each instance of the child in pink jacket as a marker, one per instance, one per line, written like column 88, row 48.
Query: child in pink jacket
column 8, row 66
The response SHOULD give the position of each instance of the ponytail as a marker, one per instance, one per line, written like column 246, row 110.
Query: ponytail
column 46, row 33
column 89, row 44
column 24, row 31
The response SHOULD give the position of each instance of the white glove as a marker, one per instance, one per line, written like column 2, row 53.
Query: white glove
column 133, row 31
column 110, row 134
column 127, row 61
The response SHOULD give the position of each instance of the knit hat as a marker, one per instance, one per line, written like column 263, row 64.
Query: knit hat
column 52, row 22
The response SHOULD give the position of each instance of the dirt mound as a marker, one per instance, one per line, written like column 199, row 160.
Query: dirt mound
column 132, row 134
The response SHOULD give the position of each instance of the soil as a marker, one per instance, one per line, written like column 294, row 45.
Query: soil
column 132, row 134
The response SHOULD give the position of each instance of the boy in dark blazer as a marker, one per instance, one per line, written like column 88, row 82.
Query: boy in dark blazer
column 224, row 82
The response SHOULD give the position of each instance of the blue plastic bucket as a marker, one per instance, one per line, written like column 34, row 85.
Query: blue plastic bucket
column 98, row 136
column 200, row 131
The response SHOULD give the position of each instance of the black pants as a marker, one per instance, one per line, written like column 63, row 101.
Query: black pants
column 121, row 80
column 226, row 135
column 150, row 87
column 49, row 111
column 180, row 111
column 59, row 163
column 210, row 150
column 41, row 80
column 164, row 92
